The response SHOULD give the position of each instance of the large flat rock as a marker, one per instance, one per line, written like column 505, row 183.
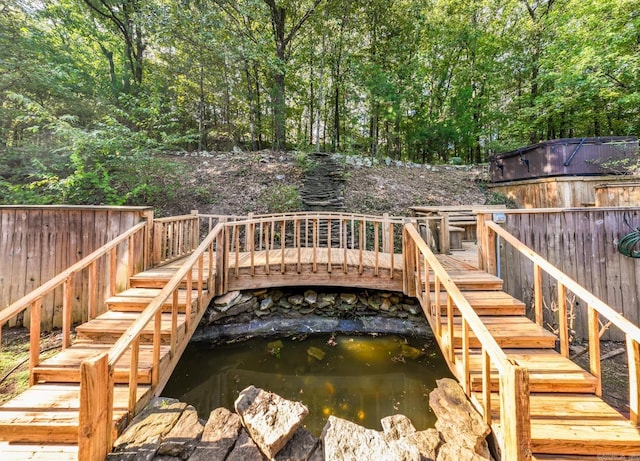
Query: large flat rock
column 218, row 437
column 347, row 441
column 269, row 419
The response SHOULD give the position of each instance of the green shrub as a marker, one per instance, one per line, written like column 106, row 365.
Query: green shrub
column 281, row 198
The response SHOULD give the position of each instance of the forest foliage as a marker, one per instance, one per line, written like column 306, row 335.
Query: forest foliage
column 92, row 90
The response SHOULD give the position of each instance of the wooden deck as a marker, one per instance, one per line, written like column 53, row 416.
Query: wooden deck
column 566, row 418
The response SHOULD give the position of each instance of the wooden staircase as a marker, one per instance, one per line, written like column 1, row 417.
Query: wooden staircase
column 568, row 420
column 43, row 422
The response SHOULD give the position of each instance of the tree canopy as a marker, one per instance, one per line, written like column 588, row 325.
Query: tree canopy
column 86, row 83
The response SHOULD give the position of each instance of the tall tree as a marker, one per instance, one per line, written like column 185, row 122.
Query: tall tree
column 283, row 37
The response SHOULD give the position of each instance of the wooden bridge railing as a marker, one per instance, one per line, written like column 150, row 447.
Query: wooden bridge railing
column 86, row 268
column 97, row 385
column 596, row 308
column 174, row 237
column 420, row 261
column 328, row 236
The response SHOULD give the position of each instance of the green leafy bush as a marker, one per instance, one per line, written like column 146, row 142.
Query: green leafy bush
column 281, row 198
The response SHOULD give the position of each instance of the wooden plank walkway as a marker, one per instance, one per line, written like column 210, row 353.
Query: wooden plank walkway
column 568, row 419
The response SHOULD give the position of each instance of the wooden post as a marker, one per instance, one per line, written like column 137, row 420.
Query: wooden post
column 113, row 271
column 450, row 333
column 92, row 295
column 491, row 262
column 157, row 343
column 445, row 244
column 408, row 276
column 248, row 234
column 466, row 383
column 514, row 414
column 392, row 248
column 34, row 338
column 537, row 293
column 95, row 422
column 633, row 360
column 221, row 276
column 133, row 376
column 66, row 311
column 562, row 320
column 480, row 238
column 195, row 238
column 594, row 348
column 486, row 385
column 147, row 257
column 386, row 230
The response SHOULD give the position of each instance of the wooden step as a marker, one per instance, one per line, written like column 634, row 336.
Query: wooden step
column 64, row 367
column 509, row 332
column 473, row 280
column 542, row 457
column 548, row 371
column 110, row 325
column 23, row 452
column 487, row 303
column 160, row 276
column 49, row 413
column 136, row 299
column 574, row 424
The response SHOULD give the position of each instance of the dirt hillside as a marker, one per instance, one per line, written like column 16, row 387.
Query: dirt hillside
column 266, row 181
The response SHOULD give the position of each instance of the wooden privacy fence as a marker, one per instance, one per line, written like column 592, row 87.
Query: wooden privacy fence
column 39, row 242
column 599, row 314
column 86, row 269
column 582, row 243
column 513, row 387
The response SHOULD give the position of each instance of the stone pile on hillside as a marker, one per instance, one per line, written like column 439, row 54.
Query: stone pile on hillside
column 323, row 185
column 266, row 426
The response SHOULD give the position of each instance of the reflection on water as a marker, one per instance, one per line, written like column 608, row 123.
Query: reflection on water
column 359, row 378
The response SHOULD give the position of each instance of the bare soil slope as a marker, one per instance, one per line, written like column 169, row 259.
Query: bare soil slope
column 260, row 182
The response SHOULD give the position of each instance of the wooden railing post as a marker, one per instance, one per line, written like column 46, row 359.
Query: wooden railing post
column 537, row 293
column 195, row 238
column 491, row 261
column 445, row 244
column 34, row 336
column 481, row 232
column 563, row 323
column 408, row 276
column 221, row 267
column 633, row 360
column 95, row 417
column 514, row 413
column 248, row 234
column 147, row 256
column 387, row 233
column 67, row 297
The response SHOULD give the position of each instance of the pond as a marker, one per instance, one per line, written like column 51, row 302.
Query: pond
column 359, row 378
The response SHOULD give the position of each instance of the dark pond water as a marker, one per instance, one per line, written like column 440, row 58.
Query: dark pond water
column 359, row 378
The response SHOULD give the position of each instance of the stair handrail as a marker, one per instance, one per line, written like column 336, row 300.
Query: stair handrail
column 595, row 306
column 155, row 305
column 94, row 440
column 514, row 379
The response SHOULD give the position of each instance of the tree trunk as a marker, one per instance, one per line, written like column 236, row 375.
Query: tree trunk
column 252, row 110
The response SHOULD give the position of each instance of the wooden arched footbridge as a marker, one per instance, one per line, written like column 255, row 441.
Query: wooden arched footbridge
column 158, row 278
